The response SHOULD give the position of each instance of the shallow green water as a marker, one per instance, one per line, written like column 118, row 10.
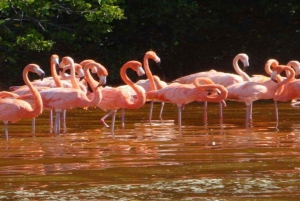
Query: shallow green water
column 212, row 161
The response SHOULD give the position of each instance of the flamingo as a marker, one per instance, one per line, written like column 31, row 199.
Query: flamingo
column 152, row 83
column 68, row 98
column 13, row 110
column 182, row 94
column 225, row 79
column 288, row 89
column 248, row 92
column 121, row 97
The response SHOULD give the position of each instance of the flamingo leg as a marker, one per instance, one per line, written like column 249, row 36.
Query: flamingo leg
column 57, row 122
column 64, row 122
column 221, row 110
column 123, row 117
column 113, row 121
column 179, row 116
column 51, row 120
column 6, row 130
column 205, row 112
column 161, row 110
column 103, row 119
column 248, row 114
column 276, row 113
column 151, row 111
column 33, row 125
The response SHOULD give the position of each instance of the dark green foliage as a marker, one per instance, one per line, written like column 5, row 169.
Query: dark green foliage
column 188, row 35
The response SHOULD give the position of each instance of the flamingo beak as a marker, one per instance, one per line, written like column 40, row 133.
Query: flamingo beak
column 245, row 68
column 158, row 63
column 42, row 76
column 81, row 78
column 297, row 76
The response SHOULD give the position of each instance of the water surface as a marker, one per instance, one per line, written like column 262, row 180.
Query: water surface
column 216, row 160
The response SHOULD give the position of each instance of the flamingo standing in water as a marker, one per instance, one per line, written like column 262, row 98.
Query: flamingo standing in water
column 249, row 92
column 68, row 98
column 288, row 89
column 152, row 83
column 225, row 79
column 13, row 110
column 120, row 97
column 182, row 94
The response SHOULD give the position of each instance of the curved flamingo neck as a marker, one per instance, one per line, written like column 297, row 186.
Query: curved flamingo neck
column 74, row 82
column 270, row 62
column 141, row 97
column 54, row 74
column 148, row 71
column 38, row 103
column 280, row 85
column 93, row 83
column 236, row 67
column 218, row 98
column 295, row 65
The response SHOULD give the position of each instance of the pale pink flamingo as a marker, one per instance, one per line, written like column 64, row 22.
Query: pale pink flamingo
column 13, row 110
column 115, row 98
column 248, row 92
column 182, row 94
column 225, row 79
column 68, row 98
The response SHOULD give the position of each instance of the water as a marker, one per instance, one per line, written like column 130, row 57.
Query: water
column 207, row 161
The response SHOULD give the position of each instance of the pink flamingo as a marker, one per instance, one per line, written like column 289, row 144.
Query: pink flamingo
column 121, row 97
column 182, row 94
column 248, row 92
column 152, row 83
column 225, row 79
column 13, row 110
column 288, row 89
column 271, row 84
column 68, row 98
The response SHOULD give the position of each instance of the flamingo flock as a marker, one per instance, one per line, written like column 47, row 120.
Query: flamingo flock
column 64, row 91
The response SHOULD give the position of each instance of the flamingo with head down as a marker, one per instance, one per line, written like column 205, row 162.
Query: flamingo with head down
column 182, row 94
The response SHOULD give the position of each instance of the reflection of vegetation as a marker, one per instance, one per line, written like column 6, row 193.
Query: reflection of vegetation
column 188, row 35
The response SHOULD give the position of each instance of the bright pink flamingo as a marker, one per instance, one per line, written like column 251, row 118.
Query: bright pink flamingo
column 120, row 97
column 272, row 85
column 153, row 82
column 13, row 110
column 182, row 94
column 68, row 98
column 288, row 89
